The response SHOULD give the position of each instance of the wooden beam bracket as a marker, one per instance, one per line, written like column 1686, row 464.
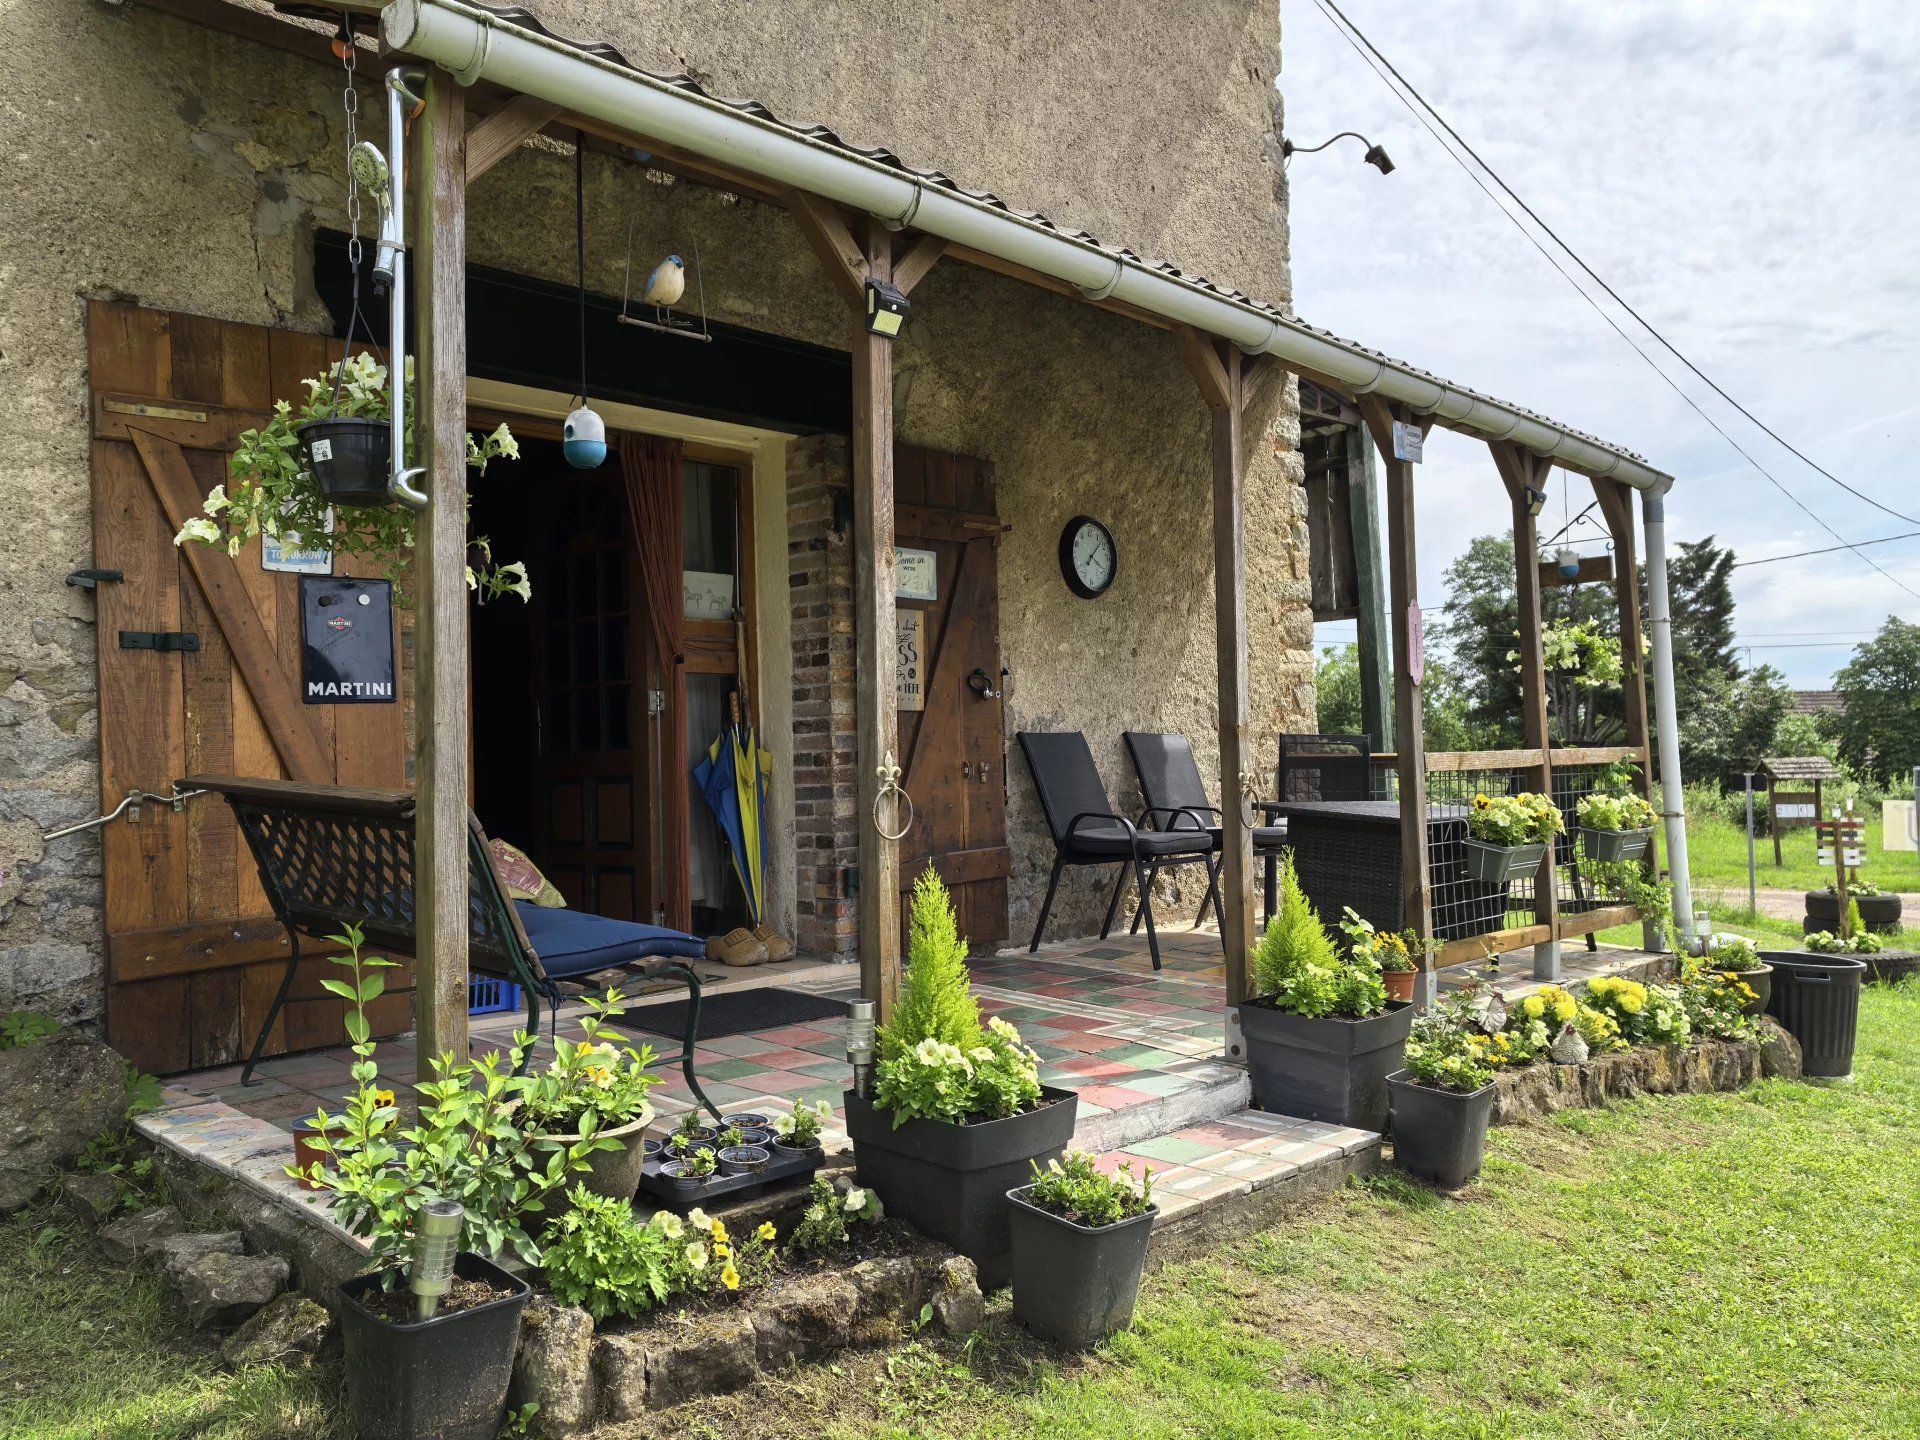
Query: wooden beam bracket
column 842, row 256
column 493, row 139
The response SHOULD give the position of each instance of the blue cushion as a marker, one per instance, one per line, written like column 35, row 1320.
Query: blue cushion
column 571, row 942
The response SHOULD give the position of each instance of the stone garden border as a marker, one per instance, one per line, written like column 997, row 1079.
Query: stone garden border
column 1711, row 1065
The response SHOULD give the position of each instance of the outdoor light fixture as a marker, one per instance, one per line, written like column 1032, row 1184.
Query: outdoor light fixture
column 1536, row 500
column 886, row 308
column 436, row 1240
column 1375, row 156
column 860, row 1045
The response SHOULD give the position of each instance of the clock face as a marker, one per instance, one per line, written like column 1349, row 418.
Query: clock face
column 1088, row 557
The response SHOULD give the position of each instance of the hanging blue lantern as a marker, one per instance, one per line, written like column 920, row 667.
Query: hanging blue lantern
column 1567, row 558
column 584, row 439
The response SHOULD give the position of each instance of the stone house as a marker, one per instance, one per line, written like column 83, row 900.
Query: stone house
column 177, row 260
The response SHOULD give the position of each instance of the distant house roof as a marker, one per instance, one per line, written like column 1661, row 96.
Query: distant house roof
column 1818, row 702
column 1801, row 767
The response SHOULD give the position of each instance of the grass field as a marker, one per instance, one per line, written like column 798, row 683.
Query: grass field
column 1717, row 854
column 1713, row 1266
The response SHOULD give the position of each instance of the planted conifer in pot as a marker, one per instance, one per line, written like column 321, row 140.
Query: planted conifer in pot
column 958, row 1114
column 1320, row 1032
column 1442, row 1102
column 1079, row 1245
column 415, row 1371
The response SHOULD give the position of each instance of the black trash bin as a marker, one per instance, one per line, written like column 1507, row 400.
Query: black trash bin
column 1817, row 999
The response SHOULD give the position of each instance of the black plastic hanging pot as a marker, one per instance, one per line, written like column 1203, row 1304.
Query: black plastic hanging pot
column 349, row 457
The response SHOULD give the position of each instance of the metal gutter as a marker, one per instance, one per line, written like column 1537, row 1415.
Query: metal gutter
column 475, row 43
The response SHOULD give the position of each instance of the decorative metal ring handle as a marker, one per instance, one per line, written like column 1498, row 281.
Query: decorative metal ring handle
column 888, row 774
column 1249, row 793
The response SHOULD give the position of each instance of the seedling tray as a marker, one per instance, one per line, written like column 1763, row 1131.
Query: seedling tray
column 739, row 1187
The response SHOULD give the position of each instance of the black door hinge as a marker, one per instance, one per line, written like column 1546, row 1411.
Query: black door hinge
column 90, row 579
column 159, row 640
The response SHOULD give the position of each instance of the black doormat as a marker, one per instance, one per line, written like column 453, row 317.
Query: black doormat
column 734, row 1013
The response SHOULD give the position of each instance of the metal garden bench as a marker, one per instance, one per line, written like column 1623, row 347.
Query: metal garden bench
column 331, row 856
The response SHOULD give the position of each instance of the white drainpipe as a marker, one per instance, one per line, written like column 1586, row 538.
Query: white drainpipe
column 1653, row 512
column 475, row 44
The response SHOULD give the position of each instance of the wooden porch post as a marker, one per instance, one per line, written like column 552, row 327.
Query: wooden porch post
column 1376, row 663
column 1218, row 369
column 1409, row 666
column 440, row 590
column 1521, row 472
column 1616, row 505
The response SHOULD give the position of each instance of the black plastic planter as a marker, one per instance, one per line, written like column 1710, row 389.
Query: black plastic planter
column 1439, row 1135
column 1759, row 981
column 1074, row 1284
column 1332, row 1070
column 348, row 458
column 950, row 1182
column 1817, row 999
column 439, row 1379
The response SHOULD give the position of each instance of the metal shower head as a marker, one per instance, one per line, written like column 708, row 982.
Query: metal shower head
column 368, row 167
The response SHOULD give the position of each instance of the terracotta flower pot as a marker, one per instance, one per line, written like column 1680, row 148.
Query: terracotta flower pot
column 1400, row 983
column 306, row 1153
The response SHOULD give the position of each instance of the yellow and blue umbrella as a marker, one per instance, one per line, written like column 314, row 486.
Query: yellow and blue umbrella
column 734, row 779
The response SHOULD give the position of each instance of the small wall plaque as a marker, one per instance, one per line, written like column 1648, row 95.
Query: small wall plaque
column 346, row 641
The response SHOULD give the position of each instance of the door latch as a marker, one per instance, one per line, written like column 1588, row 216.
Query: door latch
column 981, row 684
column 159, row 640
column 91, row 579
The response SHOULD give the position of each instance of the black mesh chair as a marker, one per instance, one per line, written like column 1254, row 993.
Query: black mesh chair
column 1088, row 831
column 1325, row 767
column 1170, row 783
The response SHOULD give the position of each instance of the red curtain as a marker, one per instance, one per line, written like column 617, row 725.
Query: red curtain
column 650, row 467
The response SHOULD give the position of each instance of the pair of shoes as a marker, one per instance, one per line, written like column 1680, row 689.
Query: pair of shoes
column 778, row 946
column 737, row 947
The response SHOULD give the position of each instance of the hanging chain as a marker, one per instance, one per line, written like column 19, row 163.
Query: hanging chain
column 350, row 103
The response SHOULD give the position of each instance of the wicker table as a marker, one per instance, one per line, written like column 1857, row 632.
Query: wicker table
column 1347, row 853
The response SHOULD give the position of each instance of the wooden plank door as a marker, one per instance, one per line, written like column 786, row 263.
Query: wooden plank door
column 953, row 749
column 193, row 952
column 590, row 801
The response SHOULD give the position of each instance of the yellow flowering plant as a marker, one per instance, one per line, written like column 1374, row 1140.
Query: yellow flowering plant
column 598, row 1082
column 1510, row 820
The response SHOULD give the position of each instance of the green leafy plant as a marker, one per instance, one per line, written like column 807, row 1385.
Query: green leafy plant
column 800, row 1126
column 699, row 1160
column 936, row 1060
column 1615, row 812
column 1392, row 950
column 1716, row 1003
column 1735, row 953
column 1578, row 649
column 1297, row 968
column 1074, row 1189
column 1510, row 820
column 269, row 492
column 599, row 1256
column 1445, row 1052
column 834, row 1207
column 1825, row 942
column 23, row 1027
column 692, row 1133
column 1646, row 1014
column 1865, row 888
column 598, row 1082
column 467, row 1145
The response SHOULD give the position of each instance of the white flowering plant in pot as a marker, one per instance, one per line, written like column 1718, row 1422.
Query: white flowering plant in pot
column 269, row 490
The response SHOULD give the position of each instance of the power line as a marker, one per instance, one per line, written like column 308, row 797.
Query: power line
column 1615, row 295
column 1801, row 554
column 1357, row 39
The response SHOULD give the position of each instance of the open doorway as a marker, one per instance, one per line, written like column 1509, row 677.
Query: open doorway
column 572, row 715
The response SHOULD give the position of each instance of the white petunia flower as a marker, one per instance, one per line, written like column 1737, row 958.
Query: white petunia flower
column 198, row 528
column 856, row 1201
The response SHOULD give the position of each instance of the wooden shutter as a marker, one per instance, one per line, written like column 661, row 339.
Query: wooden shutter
column 952, row 750
column 194, row 954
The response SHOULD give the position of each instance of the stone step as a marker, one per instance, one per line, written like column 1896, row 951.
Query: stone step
column 1223, row 1092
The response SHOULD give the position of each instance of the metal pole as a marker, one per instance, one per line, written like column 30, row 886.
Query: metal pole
column 1653, row 515
column 1753, row 894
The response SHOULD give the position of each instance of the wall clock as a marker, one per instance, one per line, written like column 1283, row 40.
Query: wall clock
column 1088, row 557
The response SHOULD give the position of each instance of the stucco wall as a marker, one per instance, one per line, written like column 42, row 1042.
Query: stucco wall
column 151, row 159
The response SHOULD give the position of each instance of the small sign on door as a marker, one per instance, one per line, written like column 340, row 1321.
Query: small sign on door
column 909, row 674
column 1408, row 441
column 346, row 641
column 292, row 554
column 916, row 575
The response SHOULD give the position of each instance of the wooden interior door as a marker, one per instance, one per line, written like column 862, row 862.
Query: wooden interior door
column 953, row 748
column 590, row 790
column 193, row 952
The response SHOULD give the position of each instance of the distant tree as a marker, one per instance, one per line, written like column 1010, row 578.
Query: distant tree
column 1336, row 678
column 1732, row 724
column 1879, row 731
column 1700, row 597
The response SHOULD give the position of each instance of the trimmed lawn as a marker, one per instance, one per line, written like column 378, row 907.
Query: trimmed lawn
column 1717, row 855
column 1710, row 1266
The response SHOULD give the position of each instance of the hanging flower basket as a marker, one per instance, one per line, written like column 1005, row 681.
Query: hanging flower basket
column 348, row 457
column 1613, row 846
column 1499, row 864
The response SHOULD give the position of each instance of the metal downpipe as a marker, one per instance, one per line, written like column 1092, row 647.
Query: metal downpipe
column 1653, row 511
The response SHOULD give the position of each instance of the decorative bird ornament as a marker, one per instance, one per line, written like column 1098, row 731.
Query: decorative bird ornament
column 667, row 283
column 1569, row 1046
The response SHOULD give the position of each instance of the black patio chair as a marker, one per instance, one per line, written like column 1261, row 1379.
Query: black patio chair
column 1170, row 783
column 330, row 856
column 1088, row 831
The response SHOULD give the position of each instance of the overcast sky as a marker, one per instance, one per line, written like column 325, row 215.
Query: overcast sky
column 1743, row 172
